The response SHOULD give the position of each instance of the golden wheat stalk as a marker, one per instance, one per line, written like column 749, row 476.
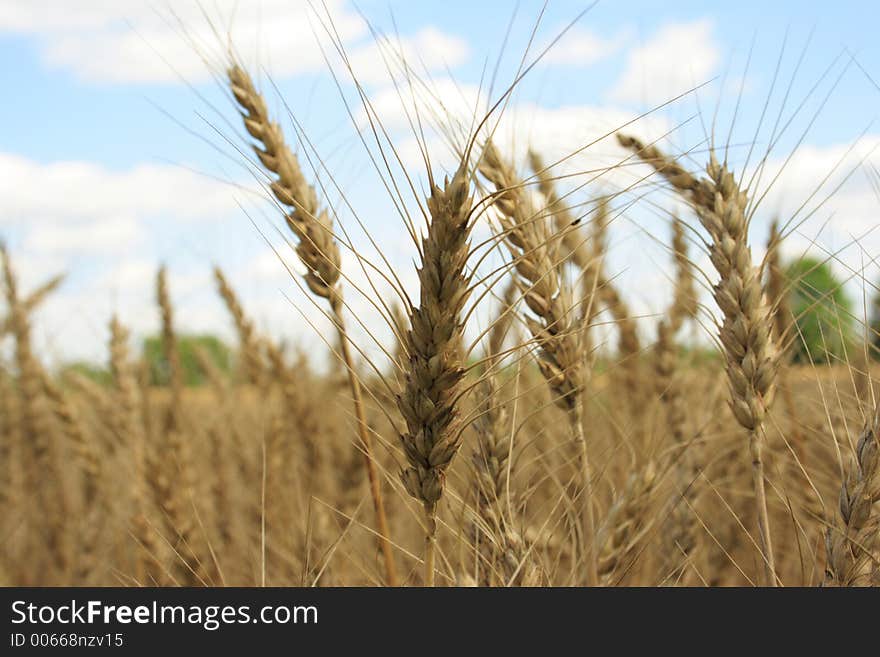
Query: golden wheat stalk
column 134, row 437
column 498, row 540
column 86, row 452
column 626, row 523
column 746, row 329
column 556, row 331
column 175, row 475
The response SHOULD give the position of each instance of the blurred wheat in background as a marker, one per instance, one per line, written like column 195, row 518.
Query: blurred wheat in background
column 496, row 409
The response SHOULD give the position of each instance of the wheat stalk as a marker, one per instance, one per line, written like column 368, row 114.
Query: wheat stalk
column 679, row 527
column 86, row 453
column 83, row 448
column 131, row 428
column 777, row 292
column 176, row 495
column 495, row 534
column 628, row 344
column 562, row 358
column 41, row 471
column 746, row 328
column 252, row 360
column 318, row 251
column 9, row 442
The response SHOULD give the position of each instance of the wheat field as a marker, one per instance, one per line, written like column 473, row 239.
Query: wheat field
column 517, row 425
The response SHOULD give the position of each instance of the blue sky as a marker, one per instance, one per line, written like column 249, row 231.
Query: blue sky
column 111, row 163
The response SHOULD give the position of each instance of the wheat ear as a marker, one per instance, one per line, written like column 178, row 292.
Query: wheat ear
column 626, row 523
column 851, row 547
column 745, row 334
column 252, row 361
column 573, row 243
column 33, row 300
column 628, row 343
column 318, row 251
column 597, row 287
column 434, row 370
column 86, row 452
column 575, row 247
column 9, row 442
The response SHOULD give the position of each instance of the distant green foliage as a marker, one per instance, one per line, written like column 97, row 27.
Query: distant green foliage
column 187, row 346
column 873, row 336
column 823, row 313
column 100, row 375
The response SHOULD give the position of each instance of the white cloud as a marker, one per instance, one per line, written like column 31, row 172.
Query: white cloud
column 132, row 41
column 580, row 47
column 843, row 209
column 31, row 192
column 39, row 15
column 102, row 228
column 130, row 276
column 95, row 237
column 272, row 264
column 677, row 58
column 127, row 40
column 554, row 132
